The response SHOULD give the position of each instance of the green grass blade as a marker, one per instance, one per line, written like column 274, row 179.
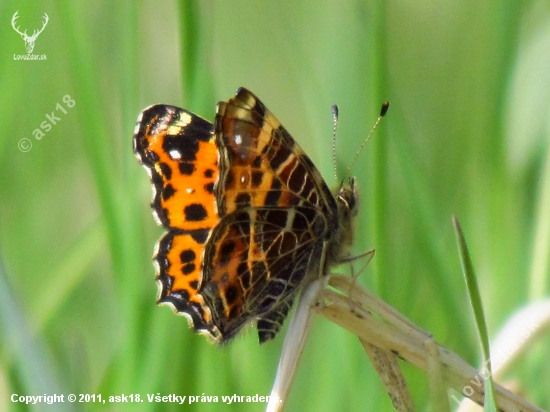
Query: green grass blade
column 475, row 300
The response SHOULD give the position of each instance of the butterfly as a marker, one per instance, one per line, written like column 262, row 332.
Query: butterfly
column 249, row 219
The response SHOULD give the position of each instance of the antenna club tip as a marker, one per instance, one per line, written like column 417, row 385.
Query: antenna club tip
column 384, row 109
column 334, row 109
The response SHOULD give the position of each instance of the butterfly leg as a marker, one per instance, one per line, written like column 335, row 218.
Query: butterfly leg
column 369, row 254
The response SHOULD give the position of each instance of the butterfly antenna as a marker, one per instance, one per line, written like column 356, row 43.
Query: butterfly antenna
column 334, row 110
column 383, row 111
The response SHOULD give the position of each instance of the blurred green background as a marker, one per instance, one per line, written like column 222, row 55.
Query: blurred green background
column 467, row 134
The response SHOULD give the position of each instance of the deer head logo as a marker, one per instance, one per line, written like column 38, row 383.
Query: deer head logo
column 29, row 40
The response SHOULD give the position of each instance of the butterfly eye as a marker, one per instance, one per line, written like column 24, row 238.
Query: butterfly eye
column 347, row 198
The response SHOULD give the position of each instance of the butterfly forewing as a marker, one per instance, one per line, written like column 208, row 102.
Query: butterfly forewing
column 274, row 216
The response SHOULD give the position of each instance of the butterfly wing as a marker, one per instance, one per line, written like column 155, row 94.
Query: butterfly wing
column 178, row 150
column 275, row 210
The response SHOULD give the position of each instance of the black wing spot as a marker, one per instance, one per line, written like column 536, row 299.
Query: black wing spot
column 225, row 252
column 200, row 235
column 243, row 199
column 168, row 191
column 186, row 168
column 274, row 194
column 231, row 294
column 257, row 162
column 186, row 149
column 165, row 170
column 187, row 256
column 195, row 212
column 257, row 176
column 189, row 268
column 209, row 187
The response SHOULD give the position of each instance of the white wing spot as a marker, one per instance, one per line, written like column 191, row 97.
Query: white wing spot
column 173, row 130
column 185, row 119
column 174, row 154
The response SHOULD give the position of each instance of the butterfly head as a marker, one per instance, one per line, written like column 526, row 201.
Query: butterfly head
column 347, row 200
column 342, row 237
